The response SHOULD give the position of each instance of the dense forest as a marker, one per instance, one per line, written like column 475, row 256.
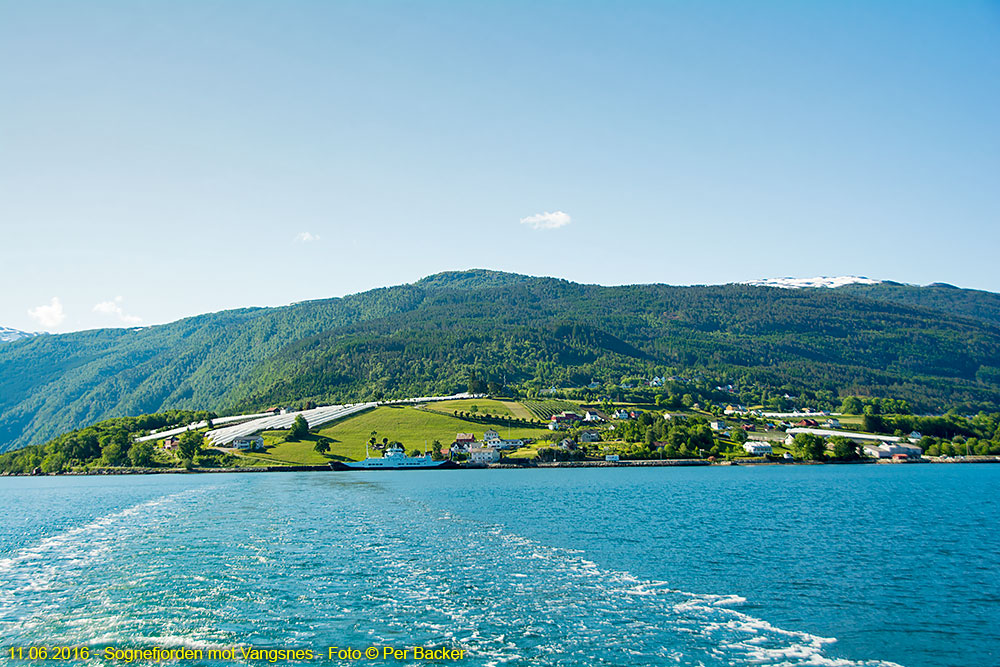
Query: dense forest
column 110, row 443
column 935, row 347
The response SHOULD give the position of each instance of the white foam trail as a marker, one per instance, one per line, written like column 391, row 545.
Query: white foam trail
column 48, row 565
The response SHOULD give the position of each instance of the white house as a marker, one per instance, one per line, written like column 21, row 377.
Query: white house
column 250, row 442
column 483, row 455
column 591, row 416
column 833, row 422
column 590, row 436
column 490, row 435
column 756, row 447
column 717, row 425
column 888, row 451
column 499, row 443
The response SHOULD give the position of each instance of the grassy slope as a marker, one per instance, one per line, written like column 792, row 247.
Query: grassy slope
column 483, row 405
column 409, row 425
column 518, row 410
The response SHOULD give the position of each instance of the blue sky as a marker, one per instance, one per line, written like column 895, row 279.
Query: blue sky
column 160, row 159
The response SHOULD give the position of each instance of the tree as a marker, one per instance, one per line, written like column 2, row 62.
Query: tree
column 844, row 448
column 852, row 405
column 322, row 446
column 141, row 454
column 739, row 435
column 189, row 445
column 299, row 429
column 54, row 462
column 436, row 450
column 114, row 448
column 872, row 423
column 809, row 447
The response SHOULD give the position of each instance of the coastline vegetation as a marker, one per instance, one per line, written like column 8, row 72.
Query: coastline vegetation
column 666, row 425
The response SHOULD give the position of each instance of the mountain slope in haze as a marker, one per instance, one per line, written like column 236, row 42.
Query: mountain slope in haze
column 937, row 296
column 430, row 336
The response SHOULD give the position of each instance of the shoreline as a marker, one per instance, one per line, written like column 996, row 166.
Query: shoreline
column 652, row 463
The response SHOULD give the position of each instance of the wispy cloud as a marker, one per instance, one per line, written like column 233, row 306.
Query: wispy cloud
column 49, row 316
column 306, row 237
column 115, row 309
column 547, row 220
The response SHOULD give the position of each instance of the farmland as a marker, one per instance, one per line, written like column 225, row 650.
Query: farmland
column 414, row 427
column 547, row 408
column 478, row 406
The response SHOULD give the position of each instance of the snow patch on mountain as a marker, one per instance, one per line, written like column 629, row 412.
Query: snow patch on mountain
column 819, row 281
column 8, row 335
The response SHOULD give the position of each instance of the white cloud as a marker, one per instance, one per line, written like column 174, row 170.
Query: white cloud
column 306, row 237
column 547, row 220
column 49, row 316
column 115, row 308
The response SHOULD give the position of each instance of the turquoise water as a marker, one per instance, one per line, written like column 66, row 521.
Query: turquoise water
column 797, row 565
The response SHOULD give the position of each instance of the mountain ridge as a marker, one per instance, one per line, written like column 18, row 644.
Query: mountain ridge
column 934, row 346
column 9, row 335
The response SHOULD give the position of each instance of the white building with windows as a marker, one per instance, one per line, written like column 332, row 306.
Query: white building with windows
column 500, row 443
column 249, row 443
column 483, row 455
column 897, row 450
column 757, row 448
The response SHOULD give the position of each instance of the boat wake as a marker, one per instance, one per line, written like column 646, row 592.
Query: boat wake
column 361, row 565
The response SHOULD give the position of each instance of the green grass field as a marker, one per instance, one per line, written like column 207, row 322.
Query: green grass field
column 483, row 406
column 278, row 452
column 411, row 426
column 518, row 410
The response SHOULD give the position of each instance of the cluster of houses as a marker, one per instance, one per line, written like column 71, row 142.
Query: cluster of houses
column 567, row 419
column 488, row 450
column 875, row 446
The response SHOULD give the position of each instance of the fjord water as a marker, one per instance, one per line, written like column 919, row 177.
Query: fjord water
column 796, row 565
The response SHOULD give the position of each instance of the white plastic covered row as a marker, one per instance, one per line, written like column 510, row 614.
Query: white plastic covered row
column 314, row 417
column 160, row 435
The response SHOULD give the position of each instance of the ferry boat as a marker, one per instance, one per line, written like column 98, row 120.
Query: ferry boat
column 393, row 459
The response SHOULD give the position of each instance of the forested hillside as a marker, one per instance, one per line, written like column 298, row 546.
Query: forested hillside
column 434, row 335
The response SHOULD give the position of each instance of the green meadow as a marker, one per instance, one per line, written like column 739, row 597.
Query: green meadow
column 478, row 406
column 414, row 427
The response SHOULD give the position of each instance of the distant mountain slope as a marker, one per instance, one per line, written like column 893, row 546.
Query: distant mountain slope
column 938, row 296
column 8, row 335
column 429, row 336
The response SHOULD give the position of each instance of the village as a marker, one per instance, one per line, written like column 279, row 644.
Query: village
column 475, row 430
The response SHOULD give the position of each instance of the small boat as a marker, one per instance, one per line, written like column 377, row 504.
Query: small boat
column 393, row 459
